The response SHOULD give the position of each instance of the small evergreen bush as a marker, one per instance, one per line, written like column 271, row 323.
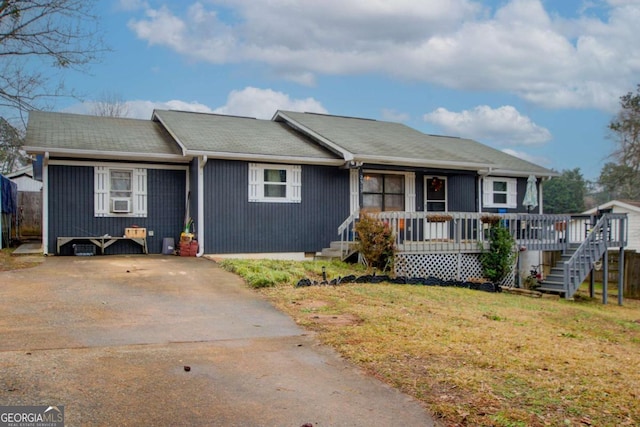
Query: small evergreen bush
column 498, row 260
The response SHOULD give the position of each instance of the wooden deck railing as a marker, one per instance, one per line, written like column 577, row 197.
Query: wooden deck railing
column 423, row 232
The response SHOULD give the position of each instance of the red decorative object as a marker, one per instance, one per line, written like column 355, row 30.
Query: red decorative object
column 436, row 184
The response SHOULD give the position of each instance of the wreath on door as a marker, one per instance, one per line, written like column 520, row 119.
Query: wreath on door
column 436, row 184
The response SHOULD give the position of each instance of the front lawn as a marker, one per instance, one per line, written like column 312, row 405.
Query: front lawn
column 473, row 358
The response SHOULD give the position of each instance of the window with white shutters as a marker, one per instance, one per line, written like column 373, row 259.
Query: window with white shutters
column 120, row 191
column 500, row 193
column 275, row 183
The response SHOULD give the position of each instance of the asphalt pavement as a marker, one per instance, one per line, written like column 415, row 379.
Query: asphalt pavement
column 171, row 341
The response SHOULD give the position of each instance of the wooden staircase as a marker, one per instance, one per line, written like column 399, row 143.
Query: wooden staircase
column 553, row 283
column 578, row 261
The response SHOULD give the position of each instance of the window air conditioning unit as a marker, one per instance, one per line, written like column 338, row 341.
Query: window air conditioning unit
column 120, row 205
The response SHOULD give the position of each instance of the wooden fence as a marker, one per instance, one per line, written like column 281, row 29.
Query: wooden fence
column 30, row 215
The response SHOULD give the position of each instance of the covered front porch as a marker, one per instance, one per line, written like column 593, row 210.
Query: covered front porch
column 425, row 241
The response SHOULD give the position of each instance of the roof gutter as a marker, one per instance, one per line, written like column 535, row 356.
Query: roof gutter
column 512, row 173
column 422, row 162
column 265, row 158
column 202, row 161
column 100, row 154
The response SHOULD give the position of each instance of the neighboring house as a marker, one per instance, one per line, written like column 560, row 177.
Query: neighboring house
column 629, row 207
column 29, row 216
column 287, row 186
column 23, row 177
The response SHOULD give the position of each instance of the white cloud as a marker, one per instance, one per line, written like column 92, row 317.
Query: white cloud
column 263, row 103
column 519, row 47
column 502, row 126
column 249, row 102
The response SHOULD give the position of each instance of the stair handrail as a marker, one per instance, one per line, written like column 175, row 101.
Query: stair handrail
column 590, row 250
column 345, row 230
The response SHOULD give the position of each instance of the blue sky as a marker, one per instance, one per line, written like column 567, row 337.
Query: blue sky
column 540, row 79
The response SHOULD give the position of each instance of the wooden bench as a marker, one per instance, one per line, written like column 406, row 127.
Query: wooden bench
column 103, row 242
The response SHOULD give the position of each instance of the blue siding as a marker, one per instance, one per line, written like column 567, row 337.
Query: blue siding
column 234, row 225
column 71, row 209
column 462, row 191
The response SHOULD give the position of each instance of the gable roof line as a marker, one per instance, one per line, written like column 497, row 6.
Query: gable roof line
column 26, row 170
column 155, row 117
column 611, row 203
column 325, row 142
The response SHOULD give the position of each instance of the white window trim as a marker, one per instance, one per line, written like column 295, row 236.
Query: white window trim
column 444, row 187
column 409, row 186
column 102, row 192
column 293, row 184
column 512, row 193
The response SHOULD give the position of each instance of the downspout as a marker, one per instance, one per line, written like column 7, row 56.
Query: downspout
column 202, row 161
column 45, row 203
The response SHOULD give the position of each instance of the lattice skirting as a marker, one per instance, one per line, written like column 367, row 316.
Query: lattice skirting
column 445, row 266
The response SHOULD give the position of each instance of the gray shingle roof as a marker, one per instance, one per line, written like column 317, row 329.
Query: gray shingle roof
column 49, row 131
column 366, row 138
column 370, row 141
column 213, row 133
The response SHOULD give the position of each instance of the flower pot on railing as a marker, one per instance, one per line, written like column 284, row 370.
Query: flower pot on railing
column 490, row 220
column 439, row 218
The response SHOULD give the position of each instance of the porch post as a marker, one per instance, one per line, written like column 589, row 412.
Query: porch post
column 605, row 277
column 360, row 186
column 592, row 282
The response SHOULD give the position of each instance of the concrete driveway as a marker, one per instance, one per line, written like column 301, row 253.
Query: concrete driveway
column 109, row 338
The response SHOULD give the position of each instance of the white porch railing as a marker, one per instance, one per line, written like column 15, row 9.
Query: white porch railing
column 429, row 232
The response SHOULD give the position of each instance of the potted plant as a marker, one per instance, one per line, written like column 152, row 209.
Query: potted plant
column 439, row 217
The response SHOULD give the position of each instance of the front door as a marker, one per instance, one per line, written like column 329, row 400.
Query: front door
column 435, row 201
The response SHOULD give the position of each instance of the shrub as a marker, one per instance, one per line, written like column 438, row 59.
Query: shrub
column 376, row 242
column 498, row 260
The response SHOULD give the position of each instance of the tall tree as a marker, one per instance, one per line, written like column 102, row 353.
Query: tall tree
column 625, row 128
column 619, row 181
column 39, row 40
column 10, row 143
column 565, row 194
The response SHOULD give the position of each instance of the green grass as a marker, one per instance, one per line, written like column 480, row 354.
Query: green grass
column 475, row 358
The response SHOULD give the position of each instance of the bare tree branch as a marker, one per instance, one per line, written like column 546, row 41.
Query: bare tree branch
column 110, row 104
column 39, row 40
column 38, row 35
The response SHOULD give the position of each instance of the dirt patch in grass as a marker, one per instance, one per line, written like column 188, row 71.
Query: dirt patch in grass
column 11, row 262
column 482, row 359
column 335, row 319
